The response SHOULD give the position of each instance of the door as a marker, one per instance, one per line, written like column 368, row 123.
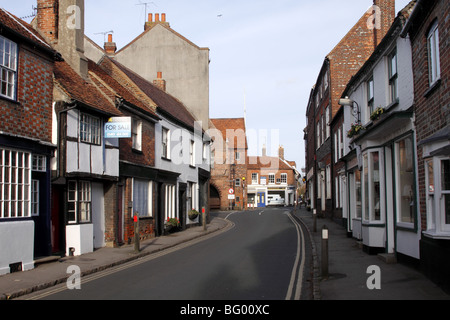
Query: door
column 261, row 197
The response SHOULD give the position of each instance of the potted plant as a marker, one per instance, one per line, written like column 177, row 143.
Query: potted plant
column 376, row 114
column 355, row 130
column 172, row 225
column 193, row 214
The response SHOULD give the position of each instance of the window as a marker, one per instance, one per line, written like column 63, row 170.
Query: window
column 328, row 177
column 15, row 184
column 90, row 129
column 136, row 136
column 393, row 77
column 237, row 156
column 372, row 186
column 284, row 178
column 35, row 197
column 142, row 198
column 318, row 134
column 271, row 178
column 79, row 202
column 358, row 199
column 254, row 178
column 169, row 202
column 238, row 183
column 370, row 97
column 192, row 153
column 433, row 54
column 165, row 143
column 39, row 163
column 327, row 122
column 406, row 204
column 8, row 68
column 192, row 196
column 438, row 196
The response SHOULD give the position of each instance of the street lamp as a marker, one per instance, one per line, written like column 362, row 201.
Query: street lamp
column 350, row 103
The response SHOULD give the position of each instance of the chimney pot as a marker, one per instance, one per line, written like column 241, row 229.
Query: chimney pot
column 163, row 17
column 157, row 17
column 159, row 75
column 110, row 38
column 150, row 17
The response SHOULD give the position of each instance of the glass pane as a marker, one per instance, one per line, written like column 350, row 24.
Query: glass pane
column 445, row 178
column 405, row 178
column 447, row 208
column 366, row 187
column 358, row 193
column 376, row 186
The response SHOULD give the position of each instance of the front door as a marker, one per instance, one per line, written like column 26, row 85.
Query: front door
column 261, row 197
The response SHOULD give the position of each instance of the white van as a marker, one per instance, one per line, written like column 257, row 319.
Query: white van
column 275, row 200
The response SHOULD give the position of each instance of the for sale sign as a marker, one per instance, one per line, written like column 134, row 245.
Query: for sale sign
column 118, row 127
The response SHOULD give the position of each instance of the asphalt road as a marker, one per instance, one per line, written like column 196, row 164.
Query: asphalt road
column 261, row 258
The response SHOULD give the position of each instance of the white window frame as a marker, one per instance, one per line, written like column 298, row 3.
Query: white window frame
column 39, row 163
column 255, row 179
column 170, row 208
column 283, row 178
column 370, row 91
column 192, row 153
column 271, row 178
column 165, row 143
column 136, row 134
column 15, row 184
column 8, row 68
column 368, row 187
column 90, row 129
column 328, row 178
column 146, row 196
column 434, row 64
column 80, row 202
column 34, row 198
column 327, row 122
column 436, row 219
column 393, row 76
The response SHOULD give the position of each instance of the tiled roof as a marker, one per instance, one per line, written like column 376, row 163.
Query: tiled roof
column 23, row 29
column 235, row 124
column 166, row 104
column 256, row 163
column 119, row 90
column 79, row 89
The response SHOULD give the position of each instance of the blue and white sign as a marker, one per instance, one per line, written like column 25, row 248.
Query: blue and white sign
column 119, row 127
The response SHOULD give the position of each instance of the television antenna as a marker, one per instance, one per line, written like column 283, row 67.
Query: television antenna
column 146, row 4
column 104, row 34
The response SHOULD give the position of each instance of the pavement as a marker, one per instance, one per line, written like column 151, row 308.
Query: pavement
column 349, row 273
column 348, row 266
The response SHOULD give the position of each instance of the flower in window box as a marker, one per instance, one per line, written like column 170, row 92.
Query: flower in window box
column 174, row 222
column 355, row 130
column 376, row 114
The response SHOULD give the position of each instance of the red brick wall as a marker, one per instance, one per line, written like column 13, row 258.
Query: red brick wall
column 32, row 115
column 431, row 107
column 47, row 19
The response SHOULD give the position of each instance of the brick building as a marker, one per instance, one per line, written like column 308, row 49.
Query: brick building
column 339, row 66
column 271, row 181
column 428, row 29
column 26, row 147
column 228, row 163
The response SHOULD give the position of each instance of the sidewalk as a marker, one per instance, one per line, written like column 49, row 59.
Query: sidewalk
column 348, row 270
column 50, row 274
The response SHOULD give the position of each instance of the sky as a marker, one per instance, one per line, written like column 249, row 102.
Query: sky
column 265, row 55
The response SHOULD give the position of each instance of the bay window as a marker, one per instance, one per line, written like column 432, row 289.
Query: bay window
column 372, row 186
column 406, row 203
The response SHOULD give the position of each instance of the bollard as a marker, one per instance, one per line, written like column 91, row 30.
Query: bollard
column 136, row 234
column 204, row 218
column 325, row 252
column 315, row 220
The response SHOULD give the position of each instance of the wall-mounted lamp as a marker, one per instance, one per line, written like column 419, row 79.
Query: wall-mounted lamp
column 350, row 103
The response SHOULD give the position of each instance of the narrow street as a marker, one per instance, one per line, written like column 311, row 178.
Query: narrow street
column 258, row 259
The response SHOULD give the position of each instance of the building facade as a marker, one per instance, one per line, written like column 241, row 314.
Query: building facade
column 339, row 66
column 428, row 30
column 26, row 147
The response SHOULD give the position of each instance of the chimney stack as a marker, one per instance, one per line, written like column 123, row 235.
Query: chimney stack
column 159, row 19
column 385, row 20
column 110, row 46
column 281, row 152
column 47, row 19
column 160, row 82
